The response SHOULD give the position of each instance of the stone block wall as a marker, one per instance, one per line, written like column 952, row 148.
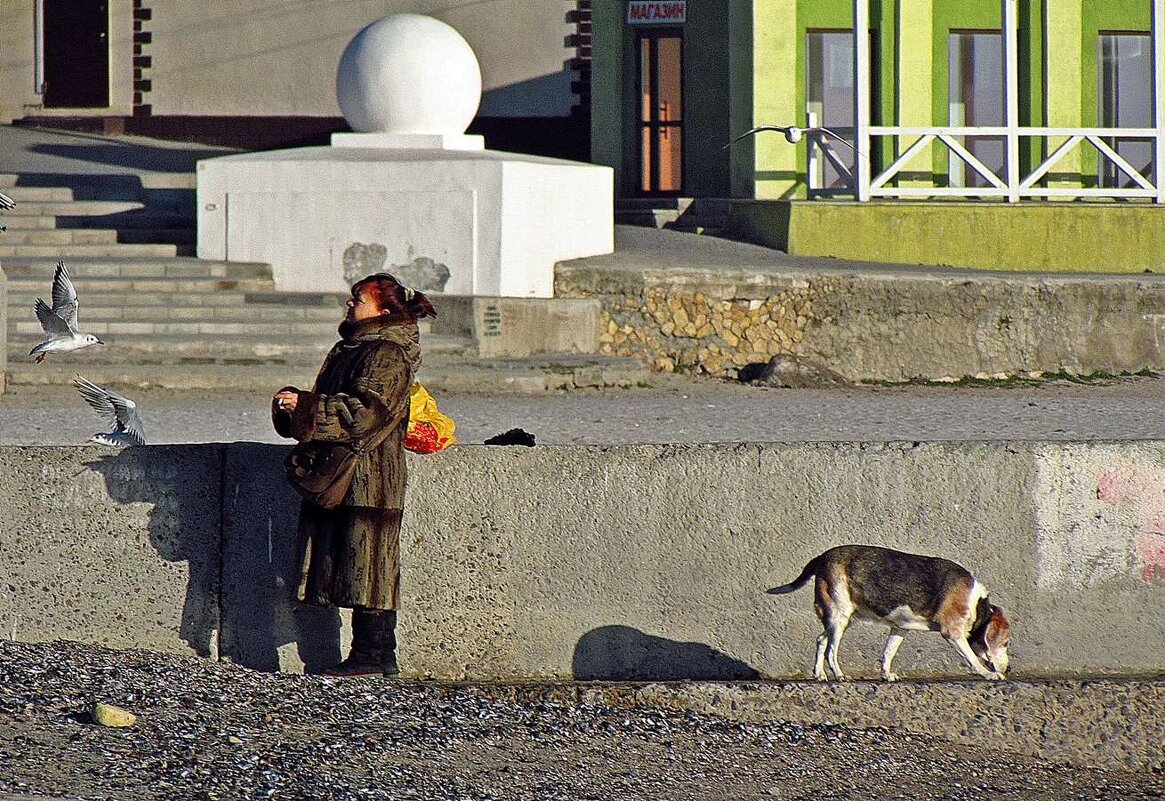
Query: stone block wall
column 879, row 324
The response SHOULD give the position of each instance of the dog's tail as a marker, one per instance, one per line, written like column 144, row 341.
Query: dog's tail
column 799, row 582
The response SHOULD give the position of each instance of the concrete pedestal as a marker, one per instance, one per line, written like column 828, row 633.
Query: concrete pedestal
column 460, row 221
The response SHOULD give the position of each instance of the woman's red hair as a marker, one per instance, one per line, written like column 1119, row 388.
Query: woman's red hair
column 392, row 297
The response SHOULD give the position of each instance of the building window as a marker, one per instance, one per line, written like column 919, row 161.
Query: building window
column 829, row 96
column 975, row 93
column 1125, row 100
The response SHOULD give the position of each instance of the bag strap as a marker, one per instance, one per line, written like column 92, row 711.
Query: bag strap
column 382, row 435
column 375, row 441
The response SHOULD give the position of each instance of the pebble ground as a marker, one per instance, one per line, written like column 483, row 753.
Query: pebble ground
column 208, row 730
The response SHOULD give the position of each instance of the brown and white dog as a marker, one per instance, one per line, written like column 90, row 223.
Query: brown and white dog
column 907, row 593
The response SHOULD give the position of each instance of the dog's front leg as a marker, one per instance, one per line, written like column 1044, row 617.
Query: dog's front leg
column 972, row 659
column 892, row 643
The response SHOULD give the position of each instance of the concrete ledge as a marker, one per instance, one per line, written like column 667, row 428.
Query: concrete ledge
column 872, row 322
column 3, row 331
column 1106, row 723
column 1053, row 237
column 634, row 562
column 520, row 327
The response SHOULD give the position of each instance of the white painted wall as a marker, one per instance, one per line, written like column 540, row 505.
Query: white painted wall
column 498, row 221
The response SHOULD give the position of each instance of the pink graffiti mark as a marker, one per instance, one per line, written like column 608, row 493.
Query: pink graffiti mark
column 1141, row 490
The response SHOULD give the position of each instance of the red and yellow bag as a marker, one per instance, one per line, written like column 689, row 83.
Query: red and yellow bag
column 429, row 430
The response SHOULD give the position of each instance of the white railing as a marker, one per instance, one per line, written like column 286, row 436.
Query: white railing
column 1012, row 185
column 912, row 142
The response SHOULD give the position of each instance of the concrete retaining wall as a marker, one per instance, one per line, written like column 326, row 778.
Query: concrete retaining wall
column 3, row 331
column 638, row 562
column 875, row 323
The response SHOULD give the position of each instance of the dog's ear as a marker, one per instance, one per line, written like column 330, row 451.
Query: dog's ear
column 998, row 630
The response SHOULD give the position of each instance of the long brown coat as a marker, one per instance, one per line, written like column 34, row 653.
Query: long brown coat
column 350, row 555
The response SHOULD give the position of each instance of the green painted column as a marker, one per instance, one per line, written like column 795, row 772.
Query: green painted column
column 916, row 83
column 1063, row 90
column 775, row 94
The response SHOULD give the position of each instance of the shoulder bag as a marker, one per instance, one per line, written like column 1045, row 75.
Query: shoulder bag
column 322, row 472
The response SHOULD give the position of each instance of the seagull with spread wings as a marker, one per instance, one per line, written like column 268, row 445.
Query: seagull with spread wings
column 6, row 203
column 118, row 412
column 792, row 133
column 60, row 321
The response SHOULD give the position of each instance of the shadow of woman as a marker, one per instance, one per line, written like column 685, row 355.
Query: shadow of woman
column 226, row 511
column 621, row 653
column 260, row 572
column 183, row 523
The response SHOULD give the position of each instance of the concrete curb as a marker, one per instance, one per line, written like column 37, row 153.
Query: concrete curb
column 1104, row 723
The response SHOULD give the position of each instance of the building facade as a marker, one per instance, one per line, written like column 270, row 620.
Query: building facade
column 1061, row 95
column 262, row 72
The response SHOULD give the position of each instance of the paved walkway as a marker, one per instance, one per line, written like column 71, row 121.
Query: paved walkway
column 36, row 150
column 673, row 410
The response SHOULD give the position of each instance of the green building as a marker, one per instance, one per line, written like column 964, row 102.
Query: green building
column 1007, row 104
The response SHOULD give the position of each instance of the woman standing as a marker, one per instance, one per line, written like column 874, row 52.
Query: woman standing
column 350, row 555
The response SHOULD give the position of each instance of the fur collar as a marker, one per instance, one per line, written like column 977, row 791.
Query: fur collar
column 400, row 329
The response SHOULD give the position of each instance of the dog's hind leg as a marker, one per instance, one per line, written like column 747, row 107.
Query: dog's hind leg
column 835, row 628
column 819, row 661
column 892, row 643
column 834, row 609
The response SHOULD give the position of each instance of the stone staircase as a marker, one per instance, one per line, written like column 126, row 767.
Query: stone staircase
column 170, row 320
column 693, row 215
column 65, row 216
column 176, row 322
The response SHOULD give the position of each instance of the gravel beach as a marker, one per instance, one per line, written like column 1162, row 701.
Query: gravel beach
column 209, row 730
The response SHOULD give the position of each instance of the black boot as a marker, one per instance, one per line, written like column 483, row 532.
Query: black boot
column 373, row 650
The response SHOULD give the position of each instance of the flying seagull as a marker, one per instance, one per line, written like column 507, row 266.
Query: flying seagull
column 792, row 133
column 60, row 321
column 6, row 203
column 116, row 411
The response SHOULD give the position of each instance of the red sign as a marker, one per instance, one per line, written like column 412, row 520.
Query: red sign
column 657, row 12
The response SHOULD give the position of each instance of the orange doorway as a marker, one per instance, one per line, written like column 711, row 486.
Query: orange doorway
column 661, row 152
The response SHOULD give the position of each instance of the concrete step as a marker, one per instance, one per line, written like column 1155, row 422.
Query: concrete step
column 683, row 214
column 21, row 270
column 177, row 236
column 57, row 236
column 440, row 372
column 652, row 203
column 650, row 218
column 107, row 328
column 65, row 251
column 27, row 223
column 145, row 180
column 159, row 287
column 169, row 349
column 73, row 208
column 148, row 219
column 167, row 313
column 28, row 194
column 203, row 303
column 136, row 347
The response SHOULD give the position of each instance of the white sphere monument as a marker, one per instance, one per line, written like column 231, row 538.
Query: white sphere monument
column 408, row 190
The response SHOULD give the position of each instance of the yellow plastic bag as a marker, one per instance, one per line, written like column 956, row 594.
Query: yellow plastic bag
column 429, row 430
